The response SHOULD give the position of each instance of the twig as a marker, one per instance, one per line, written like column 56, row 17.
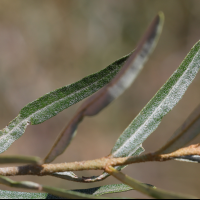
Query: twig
column 98, row 164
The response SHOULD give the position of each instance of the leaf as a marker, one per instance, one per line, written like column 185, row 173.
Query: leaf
column 106, row 189
column 78, row 118
column 23, row 195
column 70, row 176
column 185, row 134
column 113, row 90
column 19, row 159
column 57, row 192
column 54, row 102
column 22, row 184
column 70, row 194
column 186, row 154
column 166, row 98
column 192, row 158
column 97, row 191
column 145, row 189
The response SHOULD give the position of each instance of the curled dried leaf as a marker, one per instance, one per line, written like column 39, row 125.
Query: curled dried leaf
column 114, row 89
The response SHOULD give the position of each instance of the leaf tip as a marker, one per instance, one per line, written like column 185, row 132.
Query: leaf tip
column 161, row 15
column 161, row 19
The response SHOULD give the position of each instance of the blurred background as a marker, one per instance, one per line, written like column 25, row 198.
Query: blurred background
column 45, row 45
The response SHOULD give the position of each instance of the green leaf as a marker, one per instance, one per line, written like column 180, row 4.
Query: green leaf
column 185, row 134
column 106, row 189
column 145, row 189
column 19, row 159
column 54, row 102
column 113, row 90
column 164, row 101
column 69, row 194
column 58, row 147
column 57, row 192
column 97, row 191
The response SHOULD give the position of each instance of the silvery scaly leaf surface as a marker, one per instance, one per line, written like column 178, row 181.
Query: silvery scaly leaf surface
column 185, row 134
column 165, row 99
column 56, row 101
column 113, row 90
column 163, row 102
column 22, row 195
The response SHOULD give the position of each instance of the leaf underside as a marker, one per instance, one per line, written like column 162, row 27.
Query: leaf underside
column 165, row 99
column 163, row 102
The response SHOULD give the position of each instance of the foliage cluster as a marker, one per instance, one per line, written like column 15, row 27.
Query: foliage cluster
column 107, row 85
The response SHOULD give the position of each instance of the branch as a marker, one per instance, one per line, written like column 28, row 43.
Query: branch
column 98, row 164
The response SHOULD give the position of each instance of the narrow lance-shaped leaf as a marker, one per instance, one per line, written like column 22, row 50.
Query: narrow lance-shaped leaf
column 148, row 190
column 192, row 158
column 97, row 191
column 65, row 138
column 19, row 159
column 185, row 134
column 70, row 176
column 114, row 89
column 106, row 189
column 54, row 102
column 57, row 192
column 163, row 102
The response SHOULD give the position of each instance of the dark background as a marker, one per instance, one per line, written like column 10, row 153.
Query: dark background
column 47, row 44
